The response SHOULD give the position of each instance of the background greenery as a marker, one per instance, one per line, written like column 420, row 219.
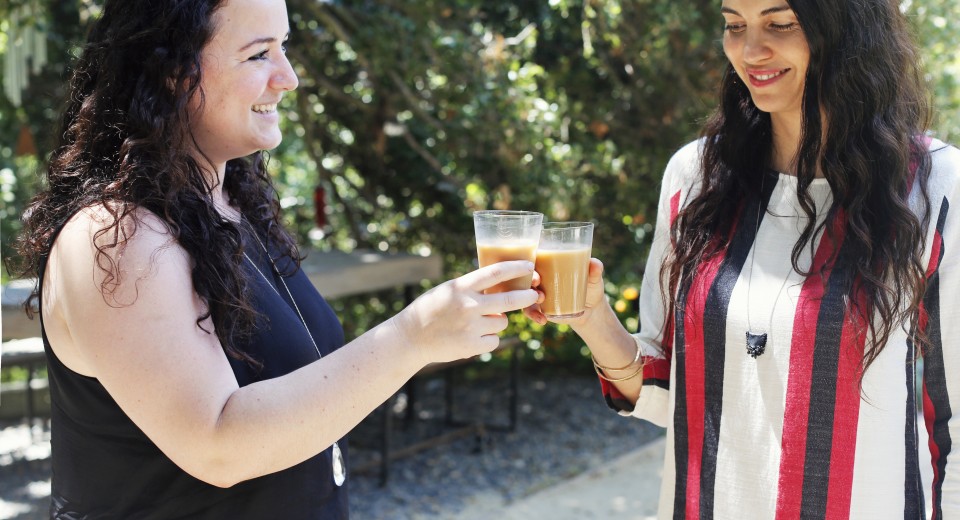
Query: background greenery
column 411, row 115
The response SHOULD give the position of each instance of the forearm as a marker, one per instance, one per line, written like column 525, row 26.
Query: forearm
column 612, row 346
column 275, row 424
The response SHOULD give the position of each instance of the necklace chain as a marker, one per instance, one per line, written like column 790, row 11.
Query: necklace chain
column 280, row 276
column 756, row 343
column 339, row 467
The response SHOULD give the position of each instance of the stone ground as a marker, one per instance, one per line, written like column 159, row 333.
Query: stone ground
column 564, row 430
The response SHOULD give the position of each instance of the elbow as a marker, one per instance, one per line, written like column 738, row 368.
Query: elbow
column 217, row 471
column 218, row 477
column 223, row 483
column 220, row 480
column 222, row 455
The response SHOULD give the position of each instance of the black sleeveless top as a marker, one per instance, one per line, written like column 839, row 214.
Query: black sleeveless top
column 105, row 467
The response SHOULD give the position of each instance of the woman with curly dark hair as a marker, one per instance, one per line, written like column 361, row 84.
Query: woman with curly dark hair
column 804, row 258
column 195, row 372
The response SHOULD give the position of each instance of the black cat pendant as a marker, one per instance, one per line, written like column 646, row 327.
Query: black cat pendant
column 756, row 344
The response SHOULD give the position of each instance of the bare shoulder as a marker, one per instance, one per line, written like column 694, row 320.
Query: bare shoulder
column 108, row 269
column 116, row 247
column 115, row 229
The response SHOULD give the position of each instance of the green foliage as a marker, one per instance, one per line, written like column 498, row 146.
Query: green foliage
column 411, row 115
column 415, row 114
column 26, row 131
column 18, row 373
column 937, row 32
column 570, row 109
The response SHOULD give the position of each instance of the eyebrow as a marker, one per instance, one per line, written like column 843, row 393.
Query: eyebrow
column 765, row 12
column 266, row 39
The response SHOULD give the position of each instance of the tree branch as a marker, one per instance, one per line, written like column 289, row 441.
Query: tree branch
column 310, row 140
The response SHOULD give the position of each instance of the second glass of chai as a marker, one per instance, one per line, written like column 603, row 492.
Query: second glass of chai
column 507, row 235
column 563, row 260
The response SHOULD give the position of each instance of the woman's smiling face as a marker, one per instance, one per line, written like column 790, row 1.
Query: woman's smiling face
column 766, row 45
column 244, row 75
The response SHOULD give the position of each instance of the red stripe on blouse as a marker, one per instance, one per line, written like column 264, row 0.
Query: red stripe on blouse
column 929, row 414
column 656, row 368
column 674, row 207
column 929, row 410
column 794, row 439
column 695, row 378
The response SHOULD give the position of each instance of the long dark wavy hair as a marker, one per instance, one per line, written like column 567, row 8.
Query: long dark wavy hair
column 124, row 143
column 865, row 83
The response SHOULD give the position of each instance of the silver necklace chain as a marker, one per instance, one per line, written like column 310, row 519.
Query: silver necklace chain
column 759, row 349
column 280, row 276
column 339, row 467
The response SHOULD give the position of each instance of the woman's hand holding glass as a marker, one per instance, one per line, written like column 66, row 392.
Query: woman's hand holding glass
column 456, row 320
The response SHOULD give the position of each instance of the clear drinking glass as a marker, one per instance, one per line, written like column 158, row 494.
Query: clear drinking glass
column 563, row 259
column 507, row 235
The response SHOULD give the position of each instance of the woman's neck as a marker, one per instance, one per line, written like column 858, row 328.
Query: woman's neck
column 787, row 134
column 786, row 142
column 222, row 203
column 220, row 198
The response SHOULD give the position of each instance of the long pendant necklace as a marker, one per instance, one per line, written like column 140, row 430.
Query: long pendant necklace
column 339, row 466
column 757, row 343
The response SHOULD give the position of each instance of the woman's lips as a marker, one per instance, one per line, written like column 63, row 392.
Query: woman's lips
column 762, row 78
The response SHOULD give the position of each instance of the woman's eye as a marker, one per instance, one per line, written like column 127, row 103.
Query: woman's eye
column 734, row 27
column 784, row 27
column 259, row 56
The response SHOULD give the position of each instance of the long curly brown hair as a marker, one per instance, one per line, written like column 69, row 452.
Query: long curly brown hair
column 865, row 79
column 124, row 143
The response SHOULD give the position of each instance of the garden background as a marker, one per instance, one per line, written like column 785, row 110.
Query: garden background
column 411, row 115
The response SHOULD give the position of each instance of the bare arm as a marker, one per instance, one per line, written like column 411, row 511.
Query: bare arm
column 174, row 381
column 609, row 342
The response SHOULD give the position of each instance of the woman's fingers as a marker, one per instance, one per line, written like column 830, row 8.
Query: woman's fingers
column 493, row 324
column 534, row 313
column 489, row 276
column 499, row 303
column 595, row 272
column 488, row 343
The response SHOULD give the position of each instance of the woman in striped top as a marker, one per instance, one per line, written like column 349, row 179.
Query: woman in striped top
column 803, row 261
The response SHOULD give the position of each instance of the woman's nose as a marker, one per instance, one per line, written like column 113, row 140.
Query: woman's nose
column 285, row 78
column 755, row 47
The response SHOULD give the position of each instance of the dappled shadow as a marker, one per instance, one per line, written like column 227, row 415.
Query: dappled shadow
column 24, row 474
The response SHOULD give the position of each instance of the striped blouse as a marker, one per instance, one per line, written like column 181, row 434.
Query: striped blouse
column 789, row 434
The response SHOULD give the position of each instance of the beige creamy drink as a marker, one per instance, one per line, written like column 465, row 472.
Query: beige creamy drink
column 563, row 279
column 493, row 252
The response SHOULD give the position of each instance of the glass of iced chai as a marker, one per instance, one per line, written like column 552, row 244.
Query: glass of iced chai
column 507, row 235
column 563, row 259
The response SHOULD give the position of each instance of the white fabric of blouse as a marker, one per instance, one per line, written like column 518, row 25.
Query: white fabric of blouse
column 787, row 436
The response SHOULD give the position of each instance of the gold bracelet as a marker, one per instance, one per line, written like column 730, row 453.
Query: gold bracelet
column 618, row 379
column 628, row 365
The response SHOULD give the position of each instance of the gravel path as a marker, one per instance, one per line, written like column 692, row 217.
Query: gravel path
column 564, row 429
